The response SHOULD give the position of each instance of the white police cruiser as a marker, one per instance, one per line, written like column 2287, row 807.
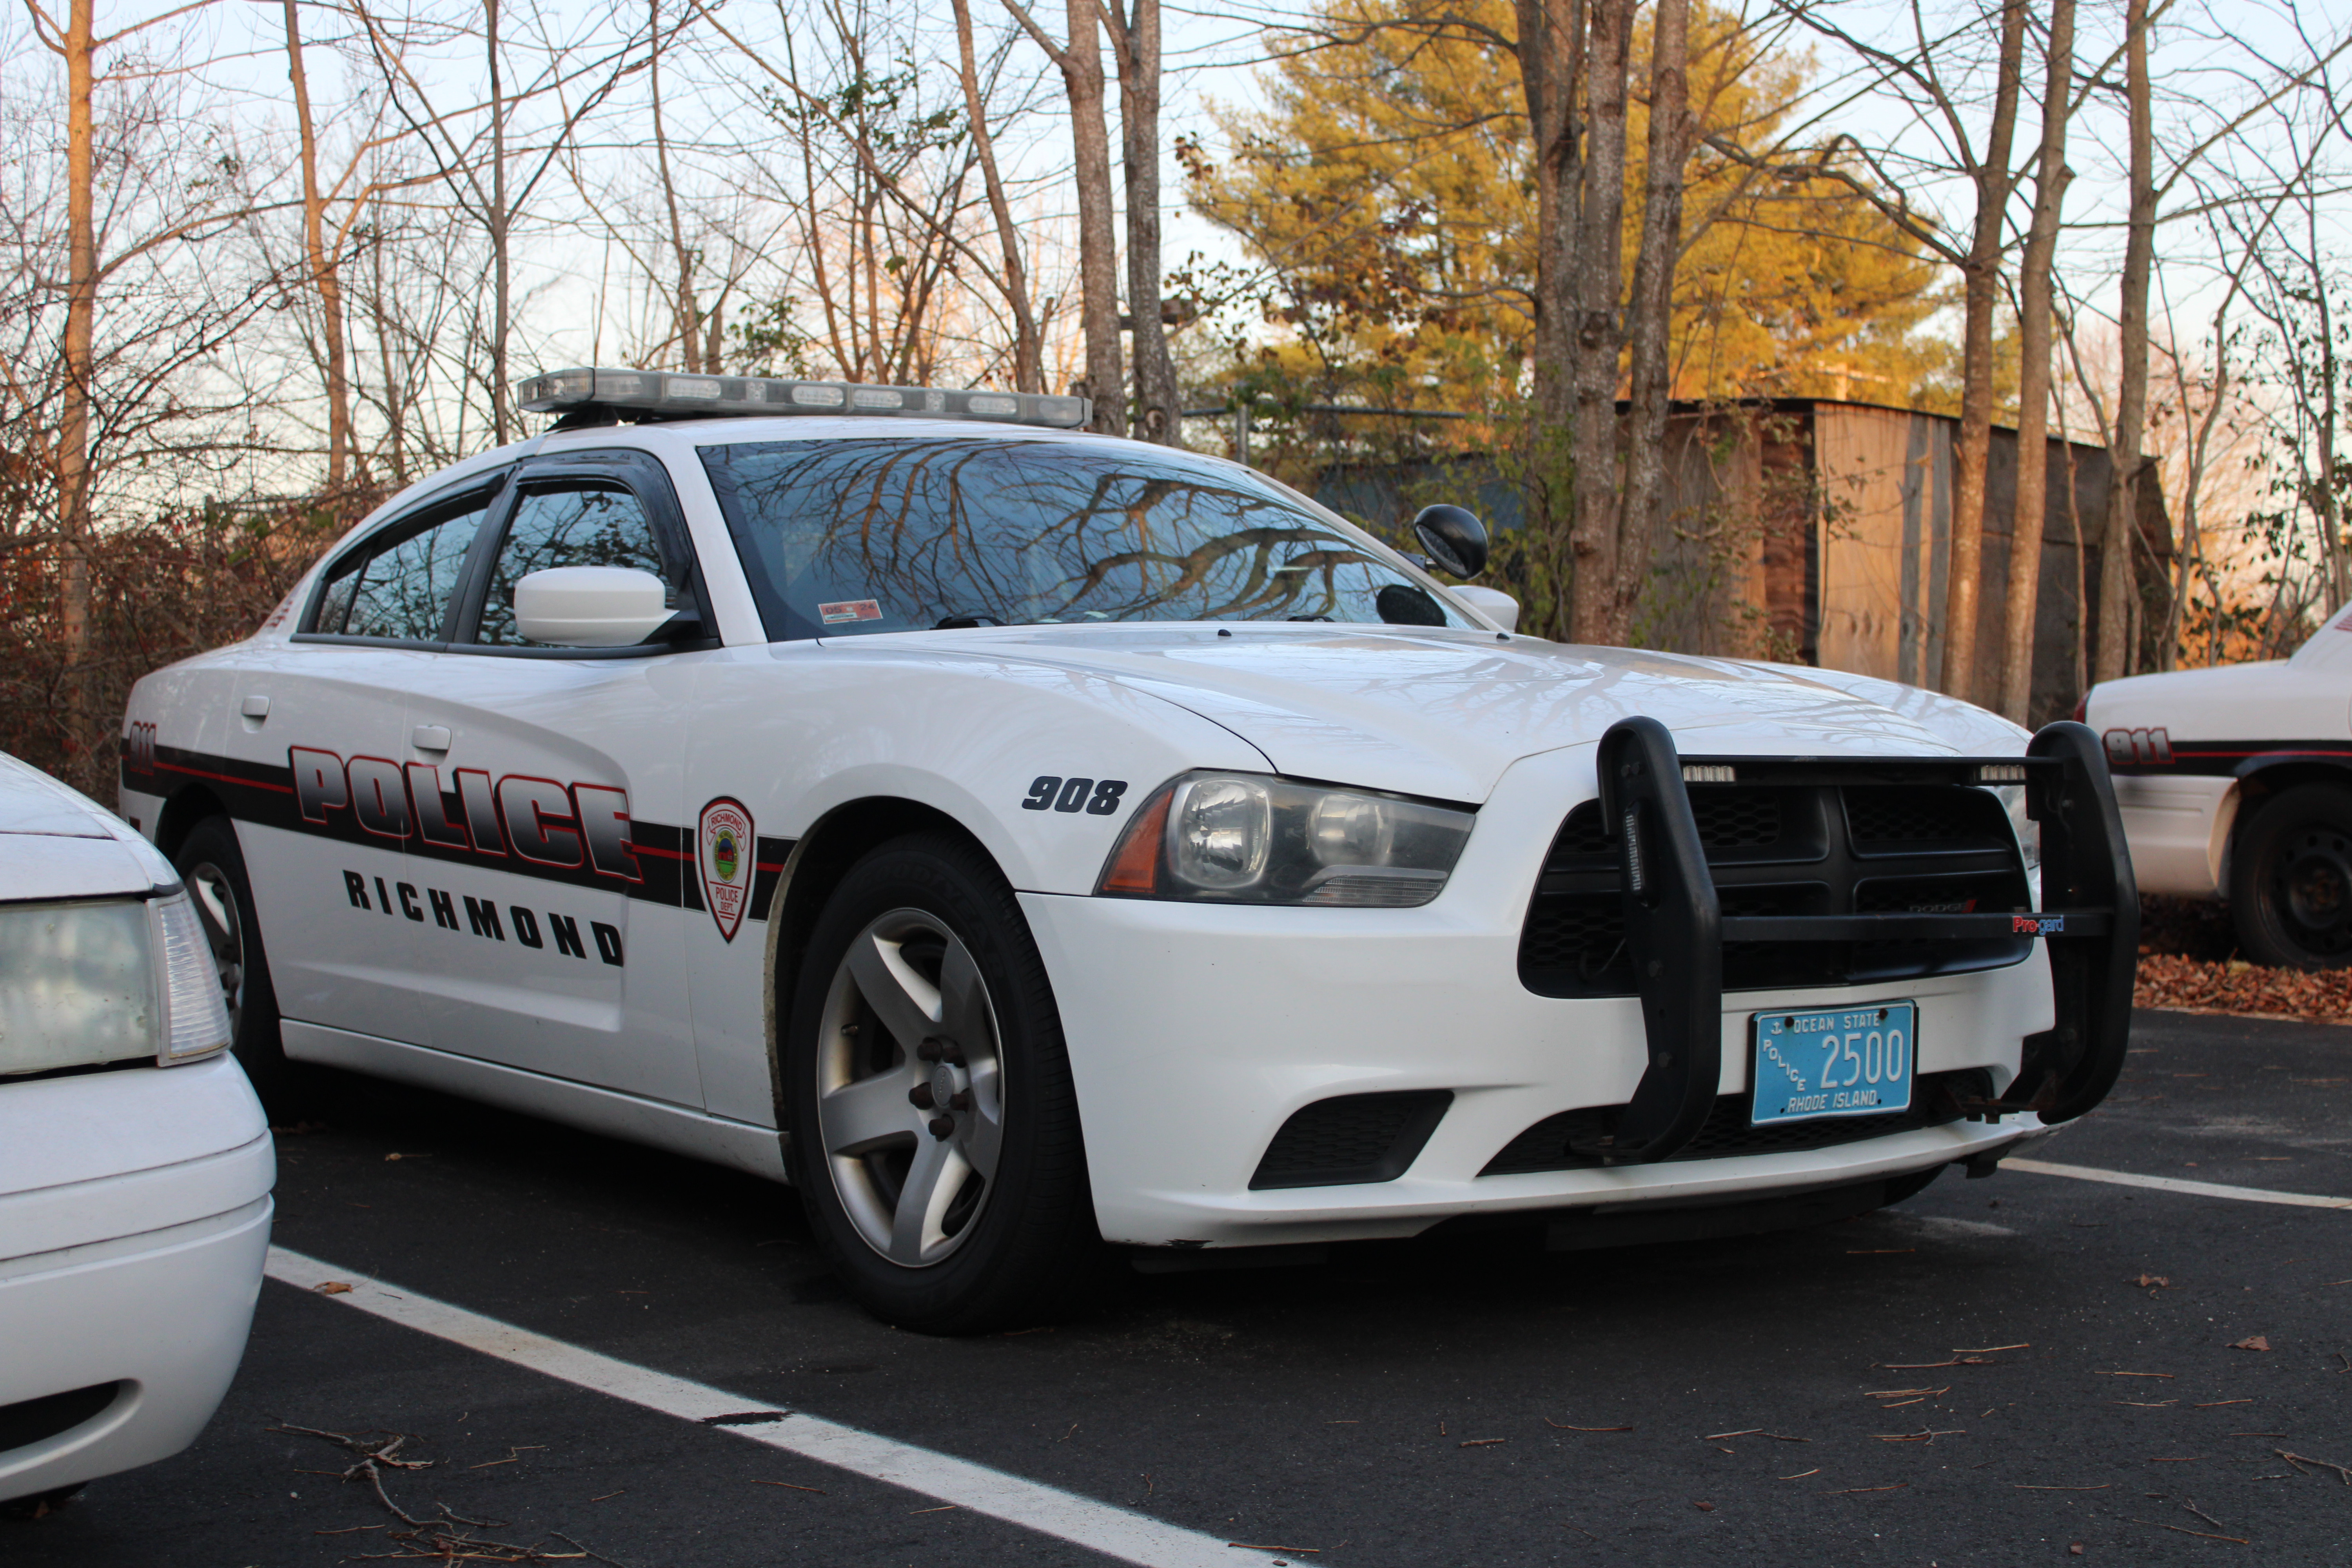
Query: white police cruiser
column 1020, row 839
column 2236, row 782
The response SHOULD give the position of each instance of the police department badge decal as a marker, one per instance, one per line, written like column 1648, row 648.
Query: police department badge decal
column 727, row 854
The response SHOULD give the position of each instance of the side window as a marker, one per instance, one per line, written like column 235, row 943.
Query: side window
column 575, row 523
column 398, row 584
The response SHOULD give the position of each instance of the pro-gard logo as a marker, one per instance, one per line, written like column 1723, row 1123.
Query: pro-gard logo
column 724, row 845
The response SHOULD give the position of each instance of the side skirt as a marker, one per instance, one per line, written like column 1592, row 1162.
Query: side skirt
column 739, row 1145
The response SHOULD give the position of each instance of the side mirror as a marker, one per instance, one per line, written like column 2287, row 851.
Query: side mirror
column 1454, row 538
column 1492, row 603
column 589, row 606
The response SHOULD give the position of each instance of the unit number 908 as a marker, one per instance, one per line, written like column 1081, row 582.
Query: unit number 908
column 1097, row 797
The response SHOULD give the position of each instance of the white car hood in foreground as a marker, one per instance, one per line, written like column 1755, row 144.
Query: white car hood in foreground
column 58, row 843
column 1443, row 713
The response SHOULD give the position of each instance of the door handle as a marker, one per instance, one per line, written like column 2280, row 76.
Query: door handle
column 430, row 738
column 256, row 707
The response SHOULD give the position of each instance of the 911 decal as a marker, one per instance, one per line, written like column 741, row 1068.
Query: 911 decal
column 1095, row 797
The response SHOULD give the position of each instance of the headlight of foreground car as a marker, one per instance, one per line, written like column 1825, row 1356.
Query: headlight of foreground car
column 2029, row 835
column 82, row 983
column 1246, row 839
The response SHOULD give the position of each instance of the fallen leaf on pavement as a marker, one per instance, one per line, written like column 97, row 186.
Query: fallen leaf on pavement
column 2251, row 1342
column 333, row 1288
column 2147, row 1281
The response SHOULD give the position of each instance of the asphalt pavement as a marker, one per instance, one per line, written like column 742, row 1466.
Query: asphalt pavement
column 2016, row 1370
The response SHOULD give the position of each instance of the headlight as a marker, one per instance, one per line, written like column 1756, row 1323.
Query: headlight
column 2029, row 835
column 195, row 1011
column 1247, row 838
column 108, row 981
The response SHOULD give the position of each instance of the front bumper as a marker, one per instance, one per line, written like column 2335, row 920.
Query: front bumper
column 1197, row 1031
column 127, row 1288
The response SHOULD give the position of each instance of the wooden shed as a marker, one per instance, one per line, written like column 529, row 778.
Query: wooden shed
column 1819, row 532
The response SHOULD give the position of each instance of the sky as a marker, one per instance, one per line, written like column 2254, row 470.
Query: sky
column 2209, row 52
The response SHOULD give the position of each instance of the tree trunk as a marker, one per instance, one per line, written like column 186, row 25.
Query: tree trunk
column 1650, row 316
column 2331, row 515
column 686, row 312
column 1157, row 408
column 1028, row 350
column 1551, row 56
column 501, row 420
column 1082, row 74
column 1599, row 262
column 73, row 415
column 2115, row 572
column 1981, row 291
column 326, row 275
column 2050, row 178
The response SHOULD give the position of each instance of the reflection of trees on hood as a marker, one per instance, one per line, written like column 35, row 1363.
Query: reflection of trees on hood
column 966, row 527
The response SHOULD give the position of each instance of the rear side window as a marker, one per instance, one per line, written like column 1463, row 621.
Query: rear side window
column 399, row 582
column 574, row 523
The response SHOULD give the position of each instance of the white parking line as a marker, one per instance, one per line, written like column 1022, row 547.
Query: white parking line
column 2178, row 1185
column 1115, row 1532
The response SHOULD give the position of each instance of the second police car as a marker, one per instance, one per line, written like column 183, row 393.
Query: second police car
column 1021, row 839
column 2236, row 783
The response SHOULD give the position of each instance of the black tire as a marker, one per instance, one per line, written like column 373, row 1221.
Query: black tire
column 213, row 867
column 1898, row 1188
column 1005, row 1232
column 2291, row 879
column 40, row 1505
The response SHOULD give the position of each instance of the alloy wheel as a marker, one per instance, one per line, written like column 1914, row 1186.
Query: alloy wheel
column 910, row 1087
column 216, row 902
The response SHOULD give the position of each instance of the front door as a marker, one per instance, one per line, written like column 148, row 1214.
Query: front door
column 554, row 864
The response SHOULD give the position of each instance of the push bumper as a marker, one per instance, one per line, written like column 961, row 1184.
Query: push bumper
column 1196, row 1032
column 127, row 1287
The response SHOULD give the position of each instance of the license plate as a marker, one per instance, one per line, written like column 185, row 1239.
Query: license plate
column 1849, row 1061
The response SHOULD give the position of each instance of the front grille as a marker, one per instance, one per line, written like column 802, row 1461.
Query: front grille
column 1791, row 849
column 1553, row 1144
column 1351, row 1139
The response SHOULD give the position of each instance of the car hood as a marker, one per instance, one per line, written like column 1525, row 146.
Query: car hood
column 58, row 843
column 1443, row 713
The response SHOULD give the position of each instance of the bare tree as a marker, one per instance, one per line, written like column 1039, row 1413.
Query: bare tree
column 1080, row 62
column 491, row 168
column 1028, row 343
column 1135, row 45
column 1599, row 280
column 85, row 403
column 2034, row 288
column 1650, row 314
column 321, row 262
column 2116, row 574
column 1980, row 283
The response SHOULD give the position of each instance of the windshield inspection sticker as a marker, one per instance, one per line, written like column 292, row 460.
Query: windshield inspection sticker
column 850, row 610
column 723, row 849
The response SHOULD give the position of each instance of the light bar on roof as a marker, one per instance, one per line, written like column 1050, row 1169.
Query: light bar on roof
column 709, row 396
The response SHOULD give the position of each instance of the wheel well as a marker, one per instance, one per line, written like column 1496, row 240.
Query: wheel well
column 181, row 814
column 2258, row 787
column 836, row 842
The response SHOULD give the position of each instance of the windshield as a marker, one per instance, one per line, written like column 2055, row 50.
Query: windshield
column 893, row 534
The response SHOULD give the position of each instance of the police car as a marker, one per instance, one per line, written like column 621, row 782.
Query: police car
column 2236, row 782
column 1021, row 839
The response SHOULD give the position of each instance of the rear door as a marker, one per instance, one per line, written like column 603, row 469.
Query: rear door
column 552, row 939
column 317, row 737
